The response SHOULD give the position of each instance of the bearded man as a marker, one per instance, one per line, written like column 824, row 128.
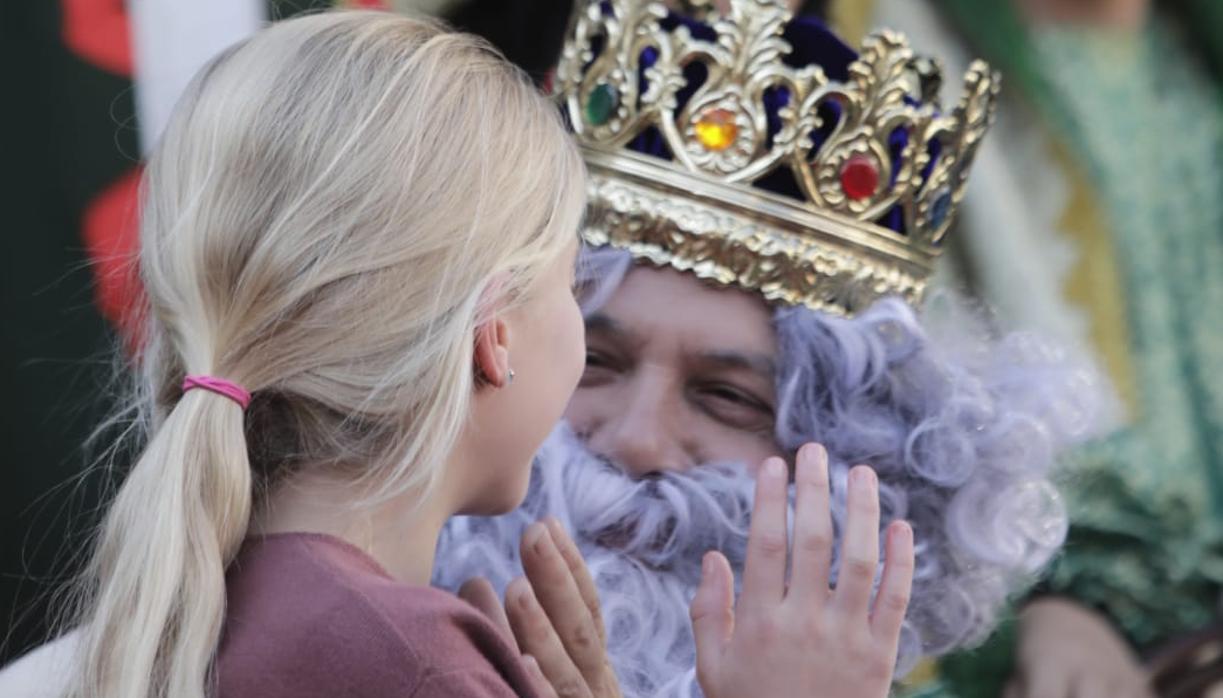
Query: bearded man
column 766, row 207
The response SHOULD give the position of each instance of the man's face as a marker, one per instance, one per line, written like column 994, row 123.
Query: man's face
column 678, row 373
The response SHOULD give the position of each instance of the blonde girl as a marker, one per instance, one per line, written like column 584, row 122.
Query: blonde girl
column 358, row 239
column 352, row 225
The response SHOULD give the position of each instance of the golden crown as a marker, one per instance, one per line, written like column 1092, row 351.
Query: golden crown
column 873, row 148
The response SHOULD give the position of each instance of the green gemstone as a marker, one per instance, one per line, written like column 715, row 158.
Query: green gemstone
column 601, row 104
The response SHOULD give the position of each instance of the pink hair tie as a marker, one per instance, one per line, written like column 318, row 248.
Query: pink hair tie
column 220, row 386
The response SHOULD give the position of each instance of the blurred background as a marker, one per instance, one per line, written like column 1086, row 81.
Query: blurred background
column 1095, row 216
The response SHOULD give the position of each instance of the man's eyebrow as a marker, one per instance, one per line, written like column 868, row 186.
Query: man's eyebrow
column 601, row 322
column 761, row 364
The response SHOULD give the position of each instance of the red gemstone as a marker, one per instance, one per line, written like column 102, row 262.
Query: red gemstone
column 859, row 177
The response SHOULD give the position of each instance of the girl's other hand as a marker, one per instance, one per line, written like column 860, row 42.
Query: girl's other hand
column 554, row 616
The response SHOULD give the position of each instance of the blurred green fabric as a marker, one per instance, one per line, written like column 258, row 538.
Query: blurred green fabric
column 1143, row 113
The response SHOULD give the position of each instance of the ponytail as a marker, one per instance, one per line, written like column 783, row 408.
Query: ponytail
column 158, row 598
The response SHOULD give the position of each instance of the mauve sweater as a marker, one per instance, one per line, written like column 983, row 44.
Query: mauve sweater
column 310, row 615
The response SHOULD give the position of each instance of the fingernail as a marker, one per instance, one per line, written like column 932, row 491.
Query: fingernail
column 864, row 476
column 535, row 535
column 533, row 532
column 555, row 529
column 775, row 469
column 903, row 531
column 816, row 459
column 526, row 599
column 814, row 451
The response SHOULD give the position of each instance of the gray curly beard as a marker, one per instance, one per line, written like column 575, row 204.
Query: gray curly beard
column 642, row 539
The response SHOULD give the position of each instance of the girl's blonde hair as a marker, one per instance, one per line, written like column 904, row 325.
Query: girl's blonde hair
column 320, row 224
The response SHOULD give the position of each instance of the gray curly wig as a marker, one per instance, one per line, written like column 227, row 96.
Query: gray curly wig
column 962, row 428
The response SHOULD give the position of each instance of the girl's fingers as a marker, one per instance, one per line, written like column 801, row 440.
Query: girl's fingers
column 812, row 528
column 580, row 573
column 537, row 637
column 561, row 600
column 479, row 593
column 713, row 619
column 540, row 682
column 893, row 598
column 860, row 546
column 765, row 570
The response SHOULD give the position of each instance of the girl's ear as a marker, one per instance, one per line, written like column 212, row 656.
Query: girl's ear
column 493, row 352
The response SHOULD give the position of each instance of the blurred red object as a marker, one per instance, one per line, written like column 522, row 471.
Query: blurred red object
column 110, row 229
column 98, row 31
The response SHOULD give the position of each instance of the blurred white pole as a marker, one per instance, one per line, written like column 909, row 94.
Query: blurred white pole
column 172, row 39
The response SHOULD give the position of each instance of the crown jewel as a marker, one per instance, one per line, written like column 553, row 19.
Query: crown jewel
column 877, row 169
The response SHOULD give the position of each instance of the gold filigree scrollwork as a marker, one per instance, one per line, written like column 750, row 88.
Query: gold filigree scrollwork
column 741, row 65
column 958, row 136
column 621, row 74
column 877, row 102
column 599, row 68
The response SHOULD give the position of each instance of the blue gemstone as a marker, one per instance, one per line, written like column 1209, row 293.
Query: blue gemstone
column 939, row 209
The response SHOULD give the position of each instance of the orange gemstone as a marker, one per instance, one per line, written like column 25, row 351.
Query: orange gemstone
column 716, row 129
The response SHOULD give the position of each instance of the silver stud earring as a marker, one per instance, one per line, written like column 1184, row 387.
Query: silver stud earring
column 510, row 378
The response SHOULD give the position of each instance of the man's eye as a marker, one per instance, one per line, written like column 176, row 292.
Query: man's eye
column 597, row 359
column 734, row 395
column 600, row 368
column 735, row 407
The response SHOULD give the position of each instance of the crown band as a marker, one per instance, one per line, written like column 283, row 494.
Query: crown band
column 754, row 240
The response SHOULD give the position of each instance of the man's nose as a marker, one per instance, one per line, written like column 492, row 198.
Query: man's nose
column 641, row 435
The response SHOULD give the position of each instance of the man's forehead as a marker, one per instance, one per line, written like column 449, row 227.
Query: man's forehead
column 663, row 305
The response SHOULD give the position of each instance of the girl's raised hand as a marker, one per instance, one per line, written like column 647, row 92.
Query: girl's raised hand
column 805, row 639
